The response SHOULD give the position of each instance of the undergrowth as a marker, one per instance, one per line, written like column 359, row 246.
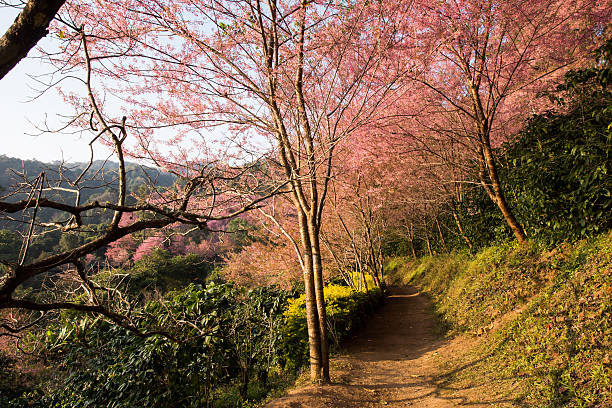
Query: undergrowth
column 557, row 341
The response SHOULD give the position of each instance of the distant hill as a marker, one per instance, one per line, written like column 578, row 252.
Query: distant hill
column 99, row 183
column 99, row 175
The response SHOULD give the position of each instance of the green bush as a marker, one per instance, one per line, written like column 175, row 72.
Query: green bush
column 218, row 337
column 556, row 173
column 225, row 345
column 13, row 383
column 346, row 311
column 163, row 272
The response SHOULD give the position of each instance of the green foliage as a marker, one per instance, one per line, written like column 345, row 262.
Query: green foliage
column 225, row 336
column 110, row 366
column 394, row 244
column 346, row 311
column 224, row 346
column 13, row 383
column 557, row 174
column 10, row 244
column 483, row 222
column 560, row 171
column 359, row 281
column 560, row 339
column 163, row 272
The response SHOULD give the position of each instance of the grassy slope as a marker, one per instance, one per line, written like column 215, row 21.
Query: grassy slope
column 555, row 341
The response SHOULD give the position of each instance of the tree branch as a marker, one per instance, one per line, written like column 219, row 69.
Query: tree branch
column 28, row 28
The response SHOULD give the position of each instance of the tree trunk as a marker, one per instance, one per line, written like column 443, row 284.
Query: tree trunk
column 245, row 384
column 365, row 282
column 488, row 167
column 312, row 314
column 411, row 239
column 428, row 244
column 381, row 265
column 427, row 238
column 441, row 236
column 377, row 274
column 320, row 300
column 496, row 194
column 358, row 265
column 460, row 228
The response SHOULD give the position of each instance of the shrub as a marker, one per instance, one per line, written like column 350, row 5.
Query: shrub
column 346, row 310
column 225, row 335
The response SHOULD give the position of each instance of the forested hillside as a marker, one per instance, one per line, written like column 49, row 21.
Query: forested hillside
column 15, row 184
column 13, row 169
column 101, row 177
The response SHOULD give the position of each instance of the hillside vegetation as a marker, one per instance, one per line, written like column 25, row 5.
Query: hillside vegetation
column 236, row 348
column 298, row 147
column 545, row 315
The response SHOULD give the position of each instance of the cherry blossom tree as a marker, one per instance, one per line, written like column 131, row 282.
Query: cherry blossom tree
column 205, row 249
column 120, row 251
column 270, row 263
column 177, row 245
column 355, row 225
column 191, row 201
column 299, row 76
column 148, row 245
column 475, row 67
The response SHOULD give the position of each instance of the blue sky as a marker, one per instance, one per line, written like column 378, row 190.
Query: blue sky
column 18, row 114
column 22, row 109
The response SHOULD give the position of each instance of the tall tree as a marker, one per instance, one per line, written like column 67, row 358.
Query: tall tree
column 475, row 66
column 192, row 201
column 300, row 74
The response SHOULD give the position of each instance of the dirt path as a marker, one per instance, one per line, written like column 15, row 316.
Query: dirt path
column 395, row 362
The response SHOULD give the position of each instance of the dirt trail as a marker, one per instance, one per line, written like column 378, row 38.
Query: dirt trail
column 394, row 362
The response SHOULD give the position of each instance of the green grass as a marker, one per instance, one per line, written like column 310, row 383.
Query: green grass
column 558, row 343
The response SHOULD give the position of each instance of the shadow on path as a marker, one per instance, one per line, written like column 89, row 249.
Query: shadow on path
column 391, row 362
column 402, row 329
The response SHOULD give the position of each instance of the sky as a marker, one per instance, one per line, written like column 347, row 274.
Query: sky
column 23, row 109
column 19, row 113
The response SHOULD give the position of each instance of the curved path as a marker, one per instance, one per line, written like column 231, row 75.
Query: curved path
column 393, row 362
